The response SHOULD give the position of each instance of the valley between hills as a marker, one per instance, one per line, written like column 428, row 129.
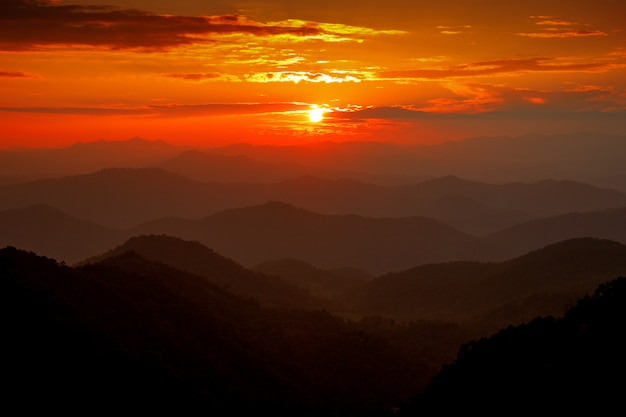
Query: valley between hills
column 302, row 256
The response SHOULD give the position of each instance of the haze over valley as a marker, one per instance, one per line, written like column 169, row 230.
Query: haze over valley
column 330, row 209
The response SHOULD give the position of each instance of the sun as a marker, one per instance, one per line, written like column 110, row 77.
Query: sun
column 316, row 115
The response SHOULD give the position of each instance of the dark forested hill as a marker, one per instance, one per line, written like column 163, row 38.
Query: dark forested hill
column 324, row 282
column 128, row 333
column 572, row 365
column 493, row 295
column 193, row 257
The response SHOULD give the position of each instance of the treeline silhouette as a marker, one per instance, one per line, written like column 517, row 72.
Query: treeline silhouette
column 575, row 364
column 124, row 332
column 127, row 333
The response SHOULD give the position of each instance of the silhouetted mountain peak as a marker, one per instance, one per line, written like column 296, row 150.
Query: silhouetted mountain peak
column 168, row 248
column 194, row 257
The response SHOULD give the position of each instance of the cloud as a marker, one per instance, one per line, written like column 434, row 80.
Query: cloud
column 502, row 66
column 453, row 30
column 300, row 76
column 17, row 74
column 224, row 109
column 196, row 76
column 554, row 33
column 383, row 112
column 171, row 110
column 554, row 22
column 29, row 24
column 78, row 111
column 552, row 27
column 474, row 99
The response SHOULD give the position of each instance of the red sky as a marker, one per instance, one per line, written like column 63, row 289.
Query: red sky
column 212, row 73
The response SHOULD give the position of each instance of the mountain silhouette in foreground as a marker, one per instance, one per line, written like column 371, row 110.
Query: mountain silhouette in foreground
column 133, row 334
column 570, row 365
column 136, row 334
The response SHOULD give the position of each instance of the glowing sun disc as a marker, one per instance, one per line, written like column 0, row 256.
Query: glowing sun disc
column 316, row 115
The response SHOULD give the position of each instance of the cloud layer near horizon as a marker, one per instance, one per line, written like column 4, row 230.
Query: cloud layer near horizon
column 376, row 70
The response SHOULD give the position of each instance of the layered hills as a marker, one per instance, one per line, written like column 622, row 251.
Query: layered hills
column 195, row 258
column 274, row 230
column 125, row 331
column 325, row 279
column 130, row 333
column 124, row 197
column 493, row 295
column 568, row 365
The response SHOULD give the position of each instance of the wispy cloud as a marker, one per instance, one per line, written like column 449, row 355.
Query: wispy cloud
column 551, row 27
column 28, row 24
column 502, row 66
column 558, row 33
column 170, row 110
column 476, row 98
column 302, row 76
column 77, row 111
column 17, row 74
column 195, row 76
column 453, row 30
column 222, row 109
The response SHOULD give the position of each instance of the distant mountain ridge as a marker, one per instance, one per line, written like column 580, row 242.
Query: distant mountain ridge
column 124, row 197
column 82, row 158
column 585, row 157
column 274, row 230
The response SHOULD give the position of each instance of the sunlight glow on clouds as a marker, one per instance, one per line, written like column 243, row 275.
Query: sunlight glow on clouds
column 399, row 63
column 297, row 77
column 554, row 28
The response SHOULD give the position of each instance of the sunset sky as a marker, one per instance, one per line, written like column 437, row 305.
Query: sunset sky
column 199, row 72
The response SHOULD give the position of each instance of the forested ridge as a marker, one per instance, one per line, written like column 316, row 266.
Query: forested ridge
column 126, row 332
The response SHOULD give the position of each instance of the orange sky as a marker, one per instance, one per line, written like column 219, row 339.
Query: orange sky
column 216, row 72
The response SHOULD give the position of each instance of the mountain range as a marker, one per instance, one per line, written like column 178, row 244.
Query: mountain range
column 493, row 295
column 567, row 365
column 134, row 334
column 123, row 330
column 274, row 230
column 582, row 157
column 125, row 197
column 320, row 279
